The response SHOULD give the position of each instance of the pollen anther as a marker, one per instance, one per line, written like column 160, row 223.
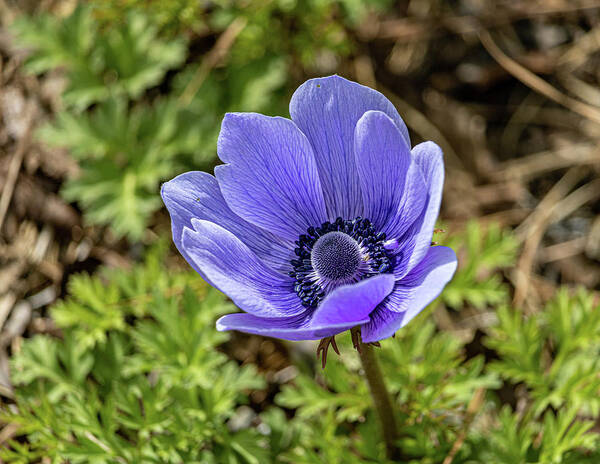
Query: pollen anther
column 334, row 254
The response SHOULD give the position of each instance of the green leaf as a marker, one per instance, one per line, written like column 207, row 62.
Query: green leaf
column 123, row 153
column 481, row 253
column 146, row 384
column 570, row 328
column 124, row 59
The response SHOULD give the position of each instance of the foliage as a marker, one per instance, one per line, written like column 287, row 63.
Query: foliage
column 555, row 352
column 123, row 154
column 482, row 251
column 117, row 57
column 124, row 150
column 302, row 29
column 553, row 355
column 428, row 377
column 136, row 378
column 127, row 58
column 126, row 143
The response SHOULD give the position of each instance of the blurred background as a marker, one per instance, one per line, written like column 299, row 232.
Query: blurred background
column 101, row 101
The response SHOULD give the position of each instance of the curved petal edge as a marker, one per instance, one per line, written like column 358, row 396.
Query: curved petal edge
column 232, row 268
column 344, row 308
column 411, row 294
column 326, row 110
column 271, row 178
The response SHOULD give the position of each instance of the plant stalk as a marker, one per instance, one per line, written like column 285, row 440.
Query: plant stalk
column 382, row 402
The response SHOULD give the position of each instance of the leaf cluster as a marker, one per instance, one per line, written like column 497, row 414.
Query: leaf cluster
column 125, row 59
column 124, row 147
column 482, row 252
column 307, row 31
column 554, row 356
column 430, row 382
column 125, row 138
column 136, row 377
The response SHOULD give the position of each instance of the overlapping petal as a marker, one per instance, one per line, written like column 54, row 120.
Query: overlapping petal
column 346, row 307
column 271, row 178
column 411, row 294
column 196, row 194
column 382, row 159
column 411, row 206
column 430, row 159
column 327, row 110
column 416, row 240
column 345, row 154
column 234, row 269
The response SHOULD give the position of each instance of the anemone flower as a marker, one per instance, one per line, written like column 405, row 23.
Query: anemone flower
column 320, row 223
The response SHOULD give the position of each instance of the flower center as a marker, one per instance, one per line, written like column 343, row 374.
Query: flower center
column 334, row 254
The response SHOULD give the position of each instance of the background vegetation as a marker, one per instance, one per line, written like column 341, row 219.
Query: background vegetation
column 108, row 351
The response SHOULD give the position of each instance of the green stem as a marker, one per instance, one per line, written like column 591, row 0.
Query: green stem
column 382, row 402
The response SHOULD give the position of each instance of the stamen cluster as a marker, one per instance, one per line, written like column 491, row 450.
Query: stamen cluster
column 312, row 286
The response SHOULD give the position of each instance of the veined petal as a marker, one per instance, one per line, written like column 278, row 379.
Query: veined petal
column 271, row 179
column 350, row 303
column 430, row 159
column 411, row 294
column 383, row 159
column 412, row 203
column 327, row 110
column 232, row 268
column 403, row 226
column 196, row 195
column 346, row 307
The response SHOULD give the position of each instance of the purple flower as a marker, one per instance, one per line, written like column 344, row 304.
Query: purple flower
column 317, row 224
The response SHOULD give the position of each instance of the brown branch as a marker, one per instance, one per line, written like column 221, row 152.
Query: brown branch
column 212, row 58
column 14, row 168
column 474, row 405
column 535, row 82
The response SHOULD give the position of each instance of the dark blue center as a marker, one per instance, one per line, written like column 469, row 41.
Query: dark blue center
column 336, row 256
column 335, row 253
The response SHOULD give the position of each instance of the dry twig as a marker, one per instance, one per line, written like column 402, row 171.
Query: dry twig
column 474, row 405
column 13, row 170
column 212, row 58
column 535, row 82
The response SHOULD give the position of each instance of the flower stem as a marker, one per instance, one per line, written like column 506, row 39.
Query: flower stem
column 381, row 400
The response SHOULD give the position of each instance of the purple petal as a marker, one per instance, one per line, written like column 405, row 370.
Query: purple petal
column 346, row 307
column 231, row 267
column 287, row 328
column 327, row 110
column 382, row 158
column 403, row 226
column 412, row 203
column 410, row 295
column 350, row 303
column 271, row 179
column 196, row 195
column 430, row 159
